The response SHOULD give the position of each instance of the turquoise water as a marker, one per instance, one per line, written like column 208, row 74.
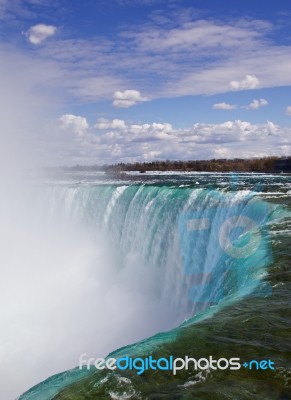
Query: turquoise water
column 220, row 297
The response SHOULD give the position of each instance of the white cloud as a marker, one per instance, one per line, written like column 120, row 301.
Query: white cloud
column 76, row 124
column 288, row 110
column 250, row 82
column 273, row 128
column 127, row 98
column 255, row 104
column 224, row 106
column 106, row 124
column 38, row 33
column 136, row 131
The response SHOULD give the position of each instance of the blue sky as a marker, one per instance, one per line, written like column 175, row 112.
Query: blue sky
column 124, row 80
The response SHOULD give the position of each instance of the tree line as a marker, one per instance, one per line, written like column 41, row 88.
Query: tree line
column 215, row 165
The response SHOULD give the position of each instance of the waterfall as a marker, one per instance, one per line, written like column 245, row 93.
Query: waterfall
column 155, row 257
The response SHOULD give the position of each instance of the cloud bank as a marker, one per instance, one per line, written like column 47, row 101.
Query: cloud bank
column 116, row 140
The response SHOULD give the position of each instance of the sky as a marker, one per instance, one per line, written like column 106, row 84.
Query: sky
column 95, row 81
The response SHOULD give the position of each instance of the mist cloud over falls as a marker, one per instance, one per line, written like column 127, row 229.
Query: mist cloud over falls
column 63, row 292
